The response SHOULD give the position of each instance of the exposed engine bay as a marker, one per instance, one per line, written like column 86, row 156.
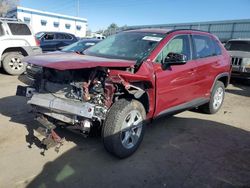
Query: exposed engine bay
column 76, row 99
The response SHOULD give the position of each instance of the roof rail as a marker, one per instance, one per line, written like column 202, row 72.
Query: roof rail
column 9, row 19
column 171, row 31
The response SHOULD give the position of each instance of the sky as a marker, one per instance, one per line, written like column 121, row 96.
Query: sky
column 101, row 13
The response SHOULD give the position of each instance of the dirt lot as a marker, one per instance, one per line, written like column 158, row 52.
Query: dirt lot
column 186, row 150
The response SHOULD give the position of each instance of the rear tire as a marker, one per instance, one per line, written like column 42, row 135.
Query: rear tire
column 216, row 100
column 124, row 128
column 12, row 63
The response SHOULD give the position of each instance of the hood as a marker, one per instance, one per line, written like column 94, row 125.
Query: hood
column 241, row 54
column 67, row 61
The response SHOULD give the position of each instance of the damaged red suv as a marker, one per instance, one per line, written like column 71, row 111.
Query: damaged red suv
column 126, row 80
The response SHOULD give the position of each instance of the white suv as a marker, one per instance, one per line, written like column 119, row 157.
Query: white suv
column 16, row 41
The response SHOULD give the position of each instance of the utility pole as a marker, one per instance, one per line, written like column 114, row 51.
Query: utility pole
column 78, row 7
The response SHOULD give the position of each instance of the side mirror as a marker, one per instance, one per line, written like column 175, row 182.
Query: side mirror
column 175, row 59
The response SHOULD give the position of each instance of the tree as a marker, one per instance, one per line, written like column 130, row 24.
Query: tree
column 112, row 29
column 7, row 5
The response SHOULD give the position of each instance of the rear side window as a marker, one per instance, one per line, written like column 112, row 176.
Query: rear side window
column 1, row 30
column 203, row 45
column 68, row 37
column 19, row 29
column 217, row 48
column 60, row 36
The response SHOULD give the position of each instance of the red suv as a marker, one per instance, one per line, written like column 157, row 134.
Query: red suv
column 126, row 80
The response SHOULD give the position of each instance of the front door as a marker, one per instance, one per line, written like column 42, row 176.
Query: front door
column 175, row 85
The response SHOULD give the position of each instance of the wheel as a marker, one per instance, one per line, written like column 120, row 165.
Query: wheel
column 124, row 128
column 12, row 63
column 216, row 100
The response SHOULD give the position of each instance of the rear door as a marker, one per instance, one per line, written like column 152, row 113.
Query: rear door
column 48, row 42
column 208, row 60
column 177, row 84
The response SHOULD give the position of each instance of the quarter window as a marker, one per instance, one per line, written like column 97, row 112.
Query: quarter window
column 204, row 46
column 179, row 44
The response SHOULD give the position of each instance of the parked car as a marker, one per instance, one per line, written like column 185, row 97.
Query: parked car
column 80, row 45
column 128, row 79
column 52, row 41
column 16, row 42
column 239, row 49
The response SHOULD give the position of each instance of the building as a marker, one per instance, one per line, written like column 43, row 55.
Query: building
column 47, row 21
column 225, row 30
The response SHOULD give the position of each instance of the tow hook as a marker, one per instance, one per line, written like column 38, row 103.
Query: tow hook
column 52, row 139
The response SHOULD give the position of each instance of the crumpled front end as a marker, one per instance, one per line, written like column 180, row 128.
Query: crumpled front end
column 79, row 99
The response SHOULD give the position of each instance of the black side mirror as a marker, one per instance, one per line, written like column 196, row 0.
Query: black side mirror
column 175, row 59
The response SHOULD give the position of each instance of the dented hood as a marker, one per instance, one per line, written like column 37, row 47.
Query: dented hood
column 67, row 61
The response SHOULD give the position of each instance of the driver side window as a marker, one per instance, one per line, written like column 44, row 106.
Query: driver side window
column 179, row 44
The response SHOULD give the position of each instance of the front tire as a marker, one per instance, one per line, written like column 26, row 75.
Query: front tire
column 124, row 128
column 12, row 63
column 216, row 100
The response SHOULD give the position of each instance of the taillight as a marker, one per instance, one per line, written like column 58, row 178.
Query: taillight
column 37, row 41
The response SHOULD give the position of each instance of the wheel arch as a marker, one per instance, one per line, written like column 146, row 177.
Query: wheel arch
column 223, row 77
column 22, row 50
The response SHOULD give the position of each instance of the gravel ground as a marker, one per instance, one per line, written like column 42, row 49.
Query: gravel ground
column 186, row 150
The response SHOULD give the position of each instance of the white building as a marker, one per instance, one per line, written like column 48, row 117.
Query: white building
column 47, row 21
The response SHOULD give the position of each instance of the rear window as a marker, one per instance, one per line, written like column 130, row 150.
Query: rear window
column 203, row 45
column 1, row 30
column 238, row 46
column 19, row 29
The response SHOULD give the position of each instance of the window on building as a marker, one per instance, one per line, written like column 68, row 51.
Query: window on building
column 43, row 22
column 203, row 45
column 26, row 20
column 1, row 30
column 56, row 24
column 78, row 27
column 67, row 26
column 19, row 29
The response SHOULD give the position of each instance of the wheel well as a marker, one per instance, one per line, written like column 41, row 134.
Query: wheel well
column 224, row 80
column 144, row 100
column 15, row 49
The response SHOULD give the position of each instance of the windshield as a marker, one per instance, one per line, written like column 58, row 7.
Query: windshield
column 238, row 46
column 79, row 46
column 126, row 45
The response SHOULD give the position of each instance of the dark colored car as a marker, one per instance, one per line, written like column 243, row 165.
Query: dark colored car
column 127, row 80
column 239, row 49
column 52, row 41
column 80, row 45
